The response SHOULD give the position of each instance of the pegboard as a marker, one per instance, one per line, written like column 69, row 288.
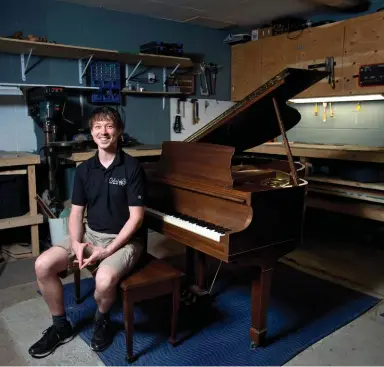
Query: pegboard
column 214, row 109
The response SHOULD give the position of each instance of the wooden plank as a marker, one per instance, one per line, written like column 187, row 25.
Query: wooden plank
column 13, row 172
column 8, row 159
column 364, row 44
column 83, row 156
column 15, row 46
column 338, row 181
column 24, row 220
column 33, row 209
column 357, row 194
column 358, row 209
column 340, row 152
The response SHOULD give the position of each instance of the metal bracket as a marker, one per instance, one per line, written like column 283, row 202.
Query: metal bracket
column 24, row 65
column 329, row 66
column 133, row 71
column 81, row 71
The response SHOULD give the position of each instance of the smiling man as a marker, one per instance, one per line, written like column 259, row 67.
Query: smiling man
column 111, row 186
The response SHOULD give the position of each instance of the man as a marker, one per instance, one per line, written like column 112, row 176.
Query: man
column 111, row 185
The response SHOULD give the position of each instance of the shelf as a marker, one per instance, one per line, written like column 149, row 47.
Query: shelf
column 338, row 181
column 27, row 86
column 15, row 46
column 152, row 93
column 23, row 220
column 347, row 206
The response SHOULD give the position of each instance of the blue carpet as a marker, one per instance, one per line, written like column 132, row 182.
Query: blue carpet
column 302, row 310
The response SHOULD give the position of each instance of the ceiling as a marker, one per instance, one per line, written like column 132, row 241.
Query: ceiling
column 219, row 14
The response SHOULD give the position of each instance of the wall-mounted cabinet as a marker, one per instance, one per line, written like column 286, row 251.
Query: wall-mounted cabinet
column 352, row 43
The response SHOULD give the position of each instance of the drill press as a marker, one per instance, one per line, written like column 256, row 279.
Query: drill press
column 46, row 106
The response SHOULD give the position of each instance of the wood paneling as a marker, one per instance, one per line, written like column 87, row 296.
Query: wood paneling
column 352, row 43
column 314, row 45
column 277, row 53
column 364, row 44
column 245, row 69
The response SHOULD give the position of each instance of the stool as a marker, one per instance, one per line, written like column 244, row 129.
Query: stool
column 152, row 278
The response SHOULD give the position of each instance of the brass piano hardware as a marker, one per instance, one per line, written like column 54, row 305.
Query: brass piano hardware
column 275, row 182
column 229, row 201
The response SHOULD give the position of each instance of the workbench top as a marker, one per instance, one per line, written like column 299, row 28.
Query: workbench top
column 327, row 151
column 9, row 159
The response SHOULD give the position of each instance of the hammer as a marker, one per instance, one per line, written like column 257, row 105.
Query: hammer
column 195, row 111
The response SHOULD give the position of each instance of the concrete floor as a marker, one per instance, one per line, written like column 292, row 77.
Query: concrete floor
column 24, row 315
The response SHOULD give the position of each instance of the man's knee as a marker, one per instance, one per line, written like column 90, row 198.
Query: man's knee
column 106, row 279
column 51, row 262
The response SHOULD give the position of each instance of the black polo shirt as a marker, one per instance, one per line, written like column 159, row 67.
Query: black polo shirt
column 108, row 192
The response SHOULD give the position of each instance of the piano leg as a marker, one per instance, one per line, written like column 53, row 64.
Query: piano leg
column 261, row 288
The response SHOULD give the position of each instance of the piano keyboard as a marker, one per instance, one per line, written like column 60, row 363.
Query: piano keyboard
column 190, row 224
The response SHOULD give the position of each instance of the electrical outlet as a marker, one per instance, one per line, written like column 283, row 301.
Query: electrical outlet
column 151, row 77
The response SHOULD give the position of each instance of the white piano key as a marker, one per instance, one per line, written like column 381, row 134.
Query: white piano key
column 181, row 223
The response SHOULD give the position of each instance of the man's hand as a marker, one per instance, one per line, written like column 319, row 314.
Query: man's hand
column 78, row 249
column 98, row 254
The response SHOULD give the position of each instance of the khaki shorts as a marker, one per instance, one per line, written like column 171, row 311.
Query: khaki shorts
column 123, row 260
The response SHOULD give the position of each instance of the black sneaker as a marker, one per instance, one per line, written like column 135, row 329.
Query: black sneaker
column 102, row 336
column 52, row 338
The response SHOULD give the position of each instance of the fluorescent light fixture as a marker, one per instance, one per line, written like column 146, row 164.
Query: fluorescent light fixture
column 356, row 98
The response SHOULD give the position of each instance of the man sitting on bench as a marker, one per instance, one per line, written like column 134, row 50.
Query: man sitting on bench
column 112, row 186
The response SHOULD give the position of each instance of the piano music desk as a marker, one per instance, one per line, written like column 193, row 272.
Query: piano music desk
column 368, row 198
column 22, row 163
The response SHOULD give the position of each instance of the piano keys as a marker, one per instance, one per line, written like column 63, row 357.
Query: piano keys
column 217, row 200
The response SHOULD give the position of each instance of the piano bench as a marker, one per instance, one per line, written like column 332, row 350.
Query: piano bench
column 149, row 279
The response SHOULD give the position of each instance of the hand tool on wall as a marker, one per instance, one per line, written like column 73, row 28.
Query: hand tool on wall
column 331, row 114
column 178, row 126
column 324, row 111
column 204, row 90
column 195, row 111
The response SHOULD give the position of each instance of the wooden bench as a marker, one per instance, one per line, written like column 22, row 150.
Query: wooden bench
column 151, row 278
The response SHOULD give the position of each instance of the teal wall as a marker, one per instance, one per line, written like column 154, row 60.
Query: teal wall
column 96, row 27
column 348, row 126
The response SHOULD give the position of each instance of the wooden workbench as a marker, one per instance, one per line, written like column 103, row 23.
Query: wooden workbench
column 20, row 163
column 331, row 193
column 78, row 157
column 341, row 152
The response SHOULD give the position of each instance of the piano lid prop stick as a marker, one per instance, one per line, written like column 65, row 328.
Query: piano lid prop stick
column 286, row 144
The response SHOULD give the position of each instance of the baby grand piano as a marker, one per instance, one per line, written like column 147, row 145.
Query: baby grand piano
column 209, row 195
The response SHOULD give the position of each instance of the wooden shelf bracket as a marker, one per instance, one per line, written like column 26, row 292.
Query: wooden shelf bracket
column 81, row 71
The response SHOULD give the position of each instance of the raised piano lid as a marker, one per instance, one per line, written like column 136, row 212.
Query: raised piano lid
column 253, row 121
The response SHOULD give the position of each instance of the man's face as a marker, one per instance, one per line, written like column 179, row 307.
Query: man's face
column 105, row 134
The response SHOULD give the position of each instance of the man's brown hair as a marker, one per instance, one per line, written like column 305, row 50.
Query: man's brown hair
column 106, row 113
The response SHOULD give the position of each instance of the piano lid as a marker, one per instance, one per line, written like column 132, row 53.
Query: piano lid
column 253, row 120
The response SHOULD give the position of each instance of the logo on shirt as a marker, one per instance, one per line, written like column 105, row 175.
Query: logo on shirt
column 117, row 181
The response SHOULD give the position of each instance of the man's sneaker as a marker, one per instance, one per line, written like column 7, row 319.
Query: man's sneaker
column 52, row 338
column 102, row 336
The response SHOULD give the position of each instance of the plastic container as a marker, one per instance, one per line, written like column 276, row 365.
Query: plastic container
column 58, row 229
